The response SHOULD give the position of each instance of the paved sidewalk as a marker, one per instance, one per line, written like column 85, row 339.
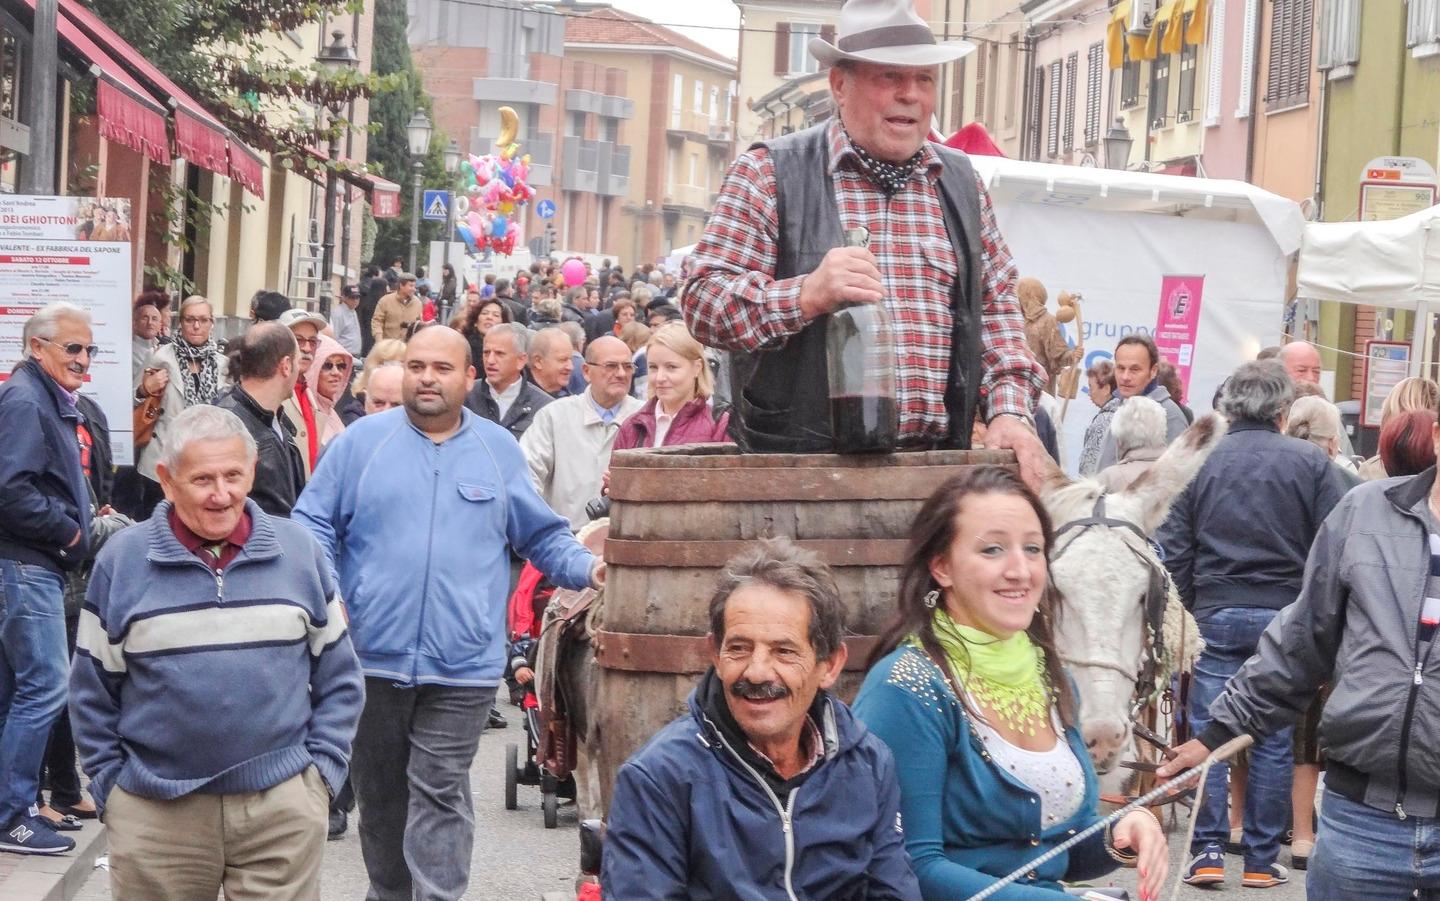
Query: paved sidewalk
column 59, row 878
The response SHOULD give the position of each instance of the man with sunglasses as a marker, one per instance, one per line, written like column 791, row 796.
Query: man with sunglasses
column 300, row 407
column 44, row 533
column 568, row 444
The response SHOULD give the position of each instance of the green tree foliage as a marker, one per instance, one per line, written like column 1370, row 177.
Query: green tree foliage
column 389, row 148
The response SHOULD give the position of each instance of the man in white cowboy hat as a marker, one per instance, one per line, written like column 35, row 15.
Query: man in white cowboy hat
column 771, row 264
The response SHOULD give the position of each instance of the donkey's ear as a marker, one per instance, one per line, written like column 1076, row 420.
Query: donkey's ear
column 1156, row 490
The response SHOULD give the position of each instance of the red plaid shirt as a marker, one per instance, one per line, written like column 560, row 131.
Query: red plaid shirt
column 734, row 302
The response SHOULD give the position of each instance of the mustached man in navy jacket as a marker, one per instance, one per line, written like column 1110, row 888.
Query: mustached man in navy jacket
column 768, row 787
column 44, row 532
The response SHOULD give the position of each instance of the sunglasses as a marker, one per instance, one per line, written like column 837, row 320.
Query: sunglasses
column 331, row 367
column 73, row 350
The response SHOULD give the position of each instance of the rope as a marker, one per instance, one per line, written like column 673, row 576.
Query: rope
column 1190, row 830
column 1221, row 753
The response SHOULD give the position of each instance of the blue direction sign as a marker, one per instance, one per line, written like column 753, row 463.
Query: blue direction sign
column 545, row 209
column 435, row 207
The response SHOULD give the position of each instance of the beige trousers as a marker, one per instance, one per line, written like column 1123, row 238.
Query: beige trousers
column 256, row 845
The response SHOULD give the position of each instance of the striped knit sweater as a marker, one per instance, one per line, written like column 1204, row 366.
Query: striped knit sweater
column 187, row 680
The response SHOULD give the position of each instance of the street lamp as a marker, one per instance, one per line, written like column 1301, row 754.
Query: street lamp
column 335, row 57
column 417, row 131
column 452, row 166
column 1117, row 146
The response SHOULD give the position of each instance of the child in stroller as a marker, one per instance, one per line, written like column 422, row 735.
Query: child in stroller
column 526, row 613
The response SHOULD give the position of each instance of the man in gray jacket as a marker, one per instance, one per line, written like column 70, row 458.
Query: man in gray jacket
column 1365, row 622
column 1137, row 373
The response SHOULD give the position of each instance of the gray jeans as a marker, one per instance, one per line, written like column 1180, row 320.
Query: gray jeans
column 411, row 771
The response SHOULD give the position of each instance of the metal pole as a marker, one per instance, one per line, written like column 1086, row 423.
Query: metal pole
column 449, row 237
column 327, row 253
column 415, row 216
column 39, row 169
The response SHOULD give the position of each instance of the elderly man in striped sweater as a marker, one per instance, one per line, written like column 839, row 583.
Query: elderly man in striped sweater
column 215, row 691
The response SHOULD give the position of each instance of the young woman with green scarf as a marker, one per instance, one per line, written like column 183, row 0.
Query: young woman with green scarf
column 967, row 691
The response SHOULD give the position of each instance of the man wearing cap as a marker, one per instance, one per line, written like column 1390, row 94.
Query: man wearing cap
column 344, row 322
column 770, row 265
column 396, row 310
column 299, row 408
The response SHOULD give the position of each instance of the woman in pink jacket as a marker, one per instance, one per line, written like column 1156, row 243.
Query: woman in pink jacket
column 680, row 387
column 329, row 375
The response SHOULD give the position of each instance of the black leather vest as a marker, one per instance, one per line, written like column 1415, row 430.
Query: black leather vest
column 781, row 395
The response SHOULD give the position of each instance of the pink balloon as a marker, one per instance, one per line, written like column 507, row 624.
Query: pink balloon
column 475, row 222
column 574, row 273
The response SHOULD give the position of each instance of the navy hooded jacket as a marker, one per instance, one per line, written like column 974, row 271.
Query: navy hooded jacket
column 692, row 821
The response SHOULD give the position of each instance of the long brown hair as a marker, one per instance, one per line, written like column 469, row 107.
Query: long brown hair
column 931, row 536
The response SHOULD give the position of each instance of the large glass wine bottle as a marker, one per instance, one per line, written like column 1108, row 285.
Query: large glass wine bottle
column 860, row 359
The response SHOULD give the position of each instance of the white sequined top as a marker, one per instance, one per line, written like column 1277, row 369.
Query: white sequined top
column 1055, row 775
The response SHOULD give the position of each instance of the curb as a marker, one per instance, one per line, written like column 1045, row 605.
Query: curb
column 59, row 878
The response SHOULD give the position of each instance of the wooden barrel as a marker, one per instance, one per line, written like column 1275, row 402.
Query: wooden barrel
column 680, row 513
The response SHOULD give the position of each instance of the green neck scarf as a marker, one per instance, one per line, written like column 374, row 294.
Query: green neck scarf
column 1006, row 675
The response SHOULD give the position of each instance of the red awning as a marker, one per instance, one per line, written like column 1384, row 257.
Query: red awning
column 199, row 136
column 247, row 168
column 126, row 111
column 974, row 140
column 1178, row 167
column 384, row 195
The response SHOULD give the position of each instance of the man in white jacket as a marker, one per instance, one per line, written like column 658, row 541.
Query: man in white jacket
column 568, row 445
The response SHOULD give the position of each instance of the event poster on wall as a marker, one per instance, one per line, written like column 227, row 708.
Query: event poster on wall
column 75, row 249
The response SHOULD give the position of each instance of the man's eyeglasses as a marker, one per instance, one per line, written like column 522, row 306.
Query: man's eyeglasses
column 74, row 349
column 196, row 320
column 613, row 368
column 327, row 366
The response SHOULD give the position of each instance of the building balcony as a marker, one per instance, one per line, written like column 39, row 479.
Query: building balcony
column 540, row 146
column 614, row 176
column 722, row 136
column 580, row 166
column 617, row 107
column 509, row 81
column 682, row 126
column 687, row 199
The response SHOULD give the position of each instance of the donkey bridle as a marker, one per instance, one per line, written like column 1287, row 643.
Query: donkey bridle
column 1157, row 595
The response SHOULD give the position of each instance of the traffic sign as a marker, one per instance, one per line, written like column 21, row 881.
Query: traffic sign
column 436, row 206
column 545, row 209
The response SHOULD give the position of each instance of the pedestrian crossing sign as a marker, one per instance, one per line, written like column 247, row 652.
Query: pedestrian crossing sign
column 436, row 206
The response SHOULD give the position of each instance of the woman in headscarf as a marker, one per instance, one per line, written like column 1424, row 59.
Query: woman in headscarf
column 329, row 375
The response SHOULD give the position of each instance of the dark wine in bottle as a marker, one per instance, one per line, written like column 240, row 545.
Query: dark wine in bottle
column 864, row 423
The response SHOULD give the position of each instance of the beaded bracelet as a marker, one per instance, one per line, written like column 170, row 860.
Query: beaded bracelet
column 1125, row 858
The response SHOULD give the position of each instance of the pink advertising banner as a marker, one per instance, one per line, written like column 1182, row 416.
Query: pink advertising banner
column 1179, row 321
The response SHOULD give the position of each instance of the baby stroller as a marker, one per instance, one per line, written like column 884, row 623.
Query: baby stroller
column 553, row 776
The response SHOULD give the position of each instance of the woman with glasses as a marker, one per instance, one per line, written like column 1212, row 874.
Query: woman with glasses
column 197, row 374
column 329, row 375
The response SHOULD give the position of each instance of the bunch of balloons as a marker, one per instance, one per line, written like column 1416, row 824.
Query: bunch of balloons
column 494, row 188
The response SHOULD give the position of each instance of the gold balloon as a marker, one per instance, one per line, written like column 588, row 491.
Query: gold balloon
column 509, row 127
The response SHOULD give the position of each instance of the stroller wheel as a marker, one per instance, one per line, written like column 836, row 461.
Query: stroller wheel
column 550, row 805
column 512, row 776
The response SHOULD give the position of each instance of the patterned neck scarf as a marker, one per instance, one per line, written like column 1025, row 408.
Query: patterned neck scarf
column 202, row 386
column 888, row 177
column 1006, row 675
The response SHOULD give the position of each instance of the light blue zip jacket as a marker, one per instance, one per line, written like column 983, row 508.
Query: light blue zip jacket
column 419, row 534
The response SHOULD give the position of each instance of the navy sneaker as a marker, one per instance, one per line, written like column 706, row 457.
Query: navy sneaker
column 1207, row 867
column 1265, row 877
column 33, row 834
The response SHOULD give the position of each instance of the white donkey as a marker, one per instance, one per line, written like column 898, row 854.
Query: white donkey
column 1118, row 596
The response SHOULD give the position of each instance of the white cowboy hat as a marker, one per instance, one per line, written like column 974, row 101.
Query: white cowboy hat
column 889, row 32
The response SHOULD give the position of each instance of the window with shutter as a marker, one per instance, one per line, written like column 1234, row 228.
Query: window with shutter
column 1247, row 59
column 1185, row 100
column 801, row 60
column 1339, row 36
column 1036, row 113
column 782, row 48
column 1422, row 27
column 1215, row 68
column 1129, row 79
column 1052, row 119
column 1094, row 82
column 1159, row 90
column 1288, row 74
column 1067, row 116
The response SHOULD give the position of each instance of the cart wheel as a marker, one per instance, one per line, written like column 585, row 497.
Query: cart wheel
column 512, row 775
column 550, row 805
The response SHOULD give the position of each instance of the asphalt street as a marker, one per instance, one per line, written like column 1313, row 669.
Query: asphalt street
column 517, row 859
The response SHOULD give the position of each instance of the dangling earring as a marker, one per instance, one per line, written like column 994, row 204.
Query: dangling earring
column 932, row 597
